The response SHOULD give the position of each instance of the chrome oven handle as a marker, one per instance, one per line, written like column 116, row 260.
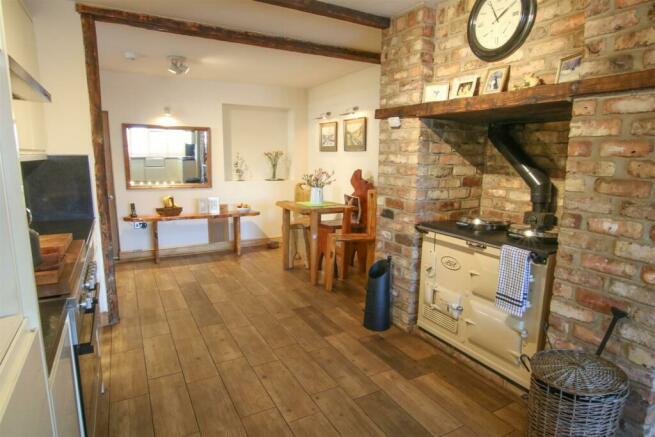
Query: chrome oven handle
column 476, row 245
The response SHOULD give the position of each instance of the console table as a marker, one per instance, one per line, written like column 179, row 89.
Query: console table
column 155, row 219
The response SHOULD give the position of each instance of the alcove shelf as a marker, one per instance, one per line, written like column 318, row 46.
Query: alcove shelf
column 537, row 104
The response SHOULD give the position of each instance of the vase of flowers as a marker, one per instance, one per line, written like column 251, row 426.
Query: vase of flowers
column 274, row 159
column 239, row 165
column 317, row 181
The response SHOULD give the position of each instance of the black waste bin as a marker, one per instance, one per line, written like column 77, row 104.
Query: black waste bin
column 377, row 316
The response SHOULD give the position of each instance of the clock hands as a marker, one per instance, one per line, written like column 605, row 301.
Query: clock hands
column 505, row 11
column 494, row 11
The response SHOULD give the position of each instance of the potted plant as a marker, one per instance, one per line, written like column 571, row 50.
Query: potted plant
column 317, row 180
column 274, row 159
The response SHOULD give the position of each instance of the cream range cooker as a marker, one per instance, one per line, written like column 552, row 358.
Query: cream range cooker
column 459, row 274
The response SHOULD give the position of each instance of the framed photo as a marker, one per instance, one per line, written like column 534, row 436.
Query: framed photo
column 464, row 86
column 569, row 68
column 327, row 136
column 496, row 81
column 354, row 135
column 436, row 92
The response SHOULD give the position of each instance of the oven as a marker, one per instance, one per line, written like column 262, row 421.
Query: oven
column 84, row 313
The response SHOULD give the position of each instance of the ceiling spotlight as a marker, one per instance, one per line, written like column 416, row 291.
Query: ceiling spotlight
column 351, row 111
column 323, row 116
column 178, row 65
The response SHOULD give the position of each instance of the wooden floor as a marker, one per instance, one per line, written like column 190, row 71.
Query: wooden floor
column 219, row 345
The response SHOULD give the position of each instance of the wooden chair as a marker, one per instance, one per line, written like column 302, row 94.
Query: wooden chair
column 299, row 231
column 336, row 244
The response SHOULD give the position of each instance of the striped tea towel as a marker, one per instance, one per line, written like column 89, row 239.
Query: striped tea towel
column 513, row 280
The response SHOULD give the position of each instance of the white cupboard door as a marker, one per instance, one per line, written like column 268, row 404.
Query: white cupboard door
column 63, row 387
column 24, row 407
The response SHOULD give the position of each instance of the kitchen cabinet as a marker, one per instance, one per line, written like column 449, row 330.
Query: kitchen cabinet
column 23, row 392
column 28, row 116
column 63, row 387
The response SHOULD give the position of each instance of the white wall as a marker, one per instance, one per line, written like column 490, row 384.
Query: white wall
column 63, row 73
column 135, row 98
column 357, row 89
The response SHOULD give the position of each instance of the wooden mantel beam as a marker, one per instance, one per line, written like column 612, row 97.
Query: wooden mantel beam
column 333, row 11
column 191, row 28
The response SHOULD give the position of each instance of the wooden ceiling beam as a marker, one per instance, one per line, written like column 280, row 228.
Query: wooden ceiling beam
column 190, row 28
column 333, row 11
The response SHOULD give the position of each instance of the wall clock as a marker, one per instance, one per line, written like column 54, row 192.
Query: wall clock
column 497, row 28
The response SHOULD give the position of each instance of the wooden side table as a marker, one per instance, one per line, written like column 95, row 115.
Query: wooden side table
column 155, row 219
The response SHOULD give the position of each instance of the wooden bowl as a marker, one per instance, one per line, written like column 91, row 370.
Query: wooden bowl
column 170, row 212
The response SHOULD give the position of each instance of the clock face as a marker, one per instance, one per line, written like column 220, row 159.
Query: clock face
column 498, row 27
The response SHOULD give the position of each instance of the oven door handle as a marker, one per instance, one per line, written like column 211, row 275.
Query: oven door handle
column 87, row 348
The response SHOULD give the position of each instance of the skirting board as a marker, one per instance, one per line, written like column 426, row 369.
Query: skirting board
column 221, row 247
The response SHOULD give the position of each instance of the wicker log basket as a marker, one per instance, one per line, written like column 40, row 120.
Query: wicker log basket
column 574, row 393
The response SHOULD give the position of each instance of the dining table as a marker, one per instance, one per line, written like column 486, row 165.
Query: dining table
column 314, row 211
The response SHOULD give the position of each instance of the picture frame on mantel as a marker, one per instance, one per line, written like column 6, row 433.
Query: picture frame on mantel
column 496, row 81
column 569, row 68
column 436, row 92
column 328, row 136
column 464, row 86
column 354, row 135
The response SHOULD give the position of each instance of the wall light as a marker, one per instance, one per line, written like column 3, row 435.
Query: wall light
column 324, row 115
column 178, row 65
column 351, row 111
column 166, row 119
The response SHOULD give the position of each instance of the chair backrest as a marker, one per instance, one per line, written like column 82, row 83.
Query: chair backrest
column 355, row 202
column 372, row 211
column 302, row 192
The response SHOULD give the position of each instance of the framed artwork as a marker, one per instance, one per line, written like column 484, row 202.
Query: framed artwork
column 569, row 68
column 496, row 81
column 464, row 86
column 354, row 135
column 436, row 92
column 327, row 136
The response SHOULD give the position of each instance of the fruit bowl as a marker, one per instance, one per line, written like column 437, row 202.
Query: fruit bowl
column 243, row 207
column 170, row 211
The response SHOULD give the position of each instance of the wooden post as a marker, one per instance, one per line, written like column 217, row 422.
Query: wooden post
column 97, row 136
column 286, row 230
column 155, row 240
column 237, row 234
column 314, row 222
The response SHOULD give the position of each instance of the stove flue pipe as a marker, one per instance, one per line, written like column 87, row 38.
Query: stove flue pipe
column 536, row 178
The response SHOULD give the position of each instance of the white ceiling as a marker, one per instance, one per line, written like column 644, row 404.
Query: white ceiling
column 215, row 60
column 236, row 62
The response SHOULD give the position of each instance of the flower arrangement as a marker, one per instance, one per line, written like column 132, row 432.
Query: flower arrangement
column 319, row 179
column 239, row 165
column 274, row 159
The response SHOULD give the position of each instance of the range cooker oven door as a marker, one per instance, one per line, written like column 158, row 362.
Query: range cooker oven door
column 87, row 352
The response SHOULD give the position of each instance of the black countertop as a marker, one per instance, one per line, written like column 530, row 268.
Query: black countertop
column 490, row 238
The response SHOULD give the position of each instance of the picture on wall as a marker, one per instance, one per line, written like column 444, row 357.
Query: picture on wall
column 496, row 80
column 436, row 92
column 569, row 68
column 354, row 134
column 465, row 86
column 327, row 136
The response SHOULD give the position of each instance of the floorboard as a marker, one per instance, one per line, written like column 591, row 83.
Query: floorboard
column 217, row 345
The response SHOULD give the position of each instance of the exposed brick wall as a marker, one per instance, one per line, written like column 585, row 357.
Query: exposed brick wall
column 404, row 161
column 504, row 193
column 602, row 164
column 607, row 240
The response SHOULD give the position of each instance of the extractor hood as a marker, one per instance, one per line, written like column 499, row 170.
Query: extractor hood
column 24, row 86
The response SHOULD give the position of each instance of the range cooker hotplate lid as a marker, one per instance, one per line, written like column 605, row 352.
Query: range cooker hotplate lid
column 482, row 224
column 526, row 232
